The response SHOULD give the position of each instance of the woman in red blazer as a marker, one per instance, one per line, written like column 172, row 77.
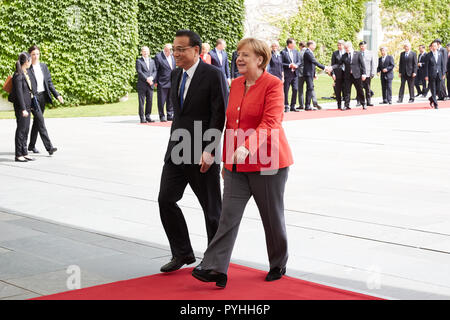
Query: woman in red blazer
column 256, row 159
column 205, row 55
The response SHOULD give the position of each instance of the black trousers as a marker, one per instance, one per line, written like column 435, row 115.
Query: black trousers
column 39, row 125
column 386, row 88
column 145, row 98
column 405, row 78
column 420, row 81
column 164, row 98
column 434, row 85
column 348, row 88
column 22, row 130
column 339, row 90
column 448, row 84
column 442, row 90
column 206, row 187
column 301, row 89
column 366, row 86
column 309, row 90
column 290, row 80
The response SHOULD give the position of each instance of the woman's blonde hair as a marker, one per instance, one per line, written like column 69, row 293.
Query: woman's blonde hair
column 259, row 47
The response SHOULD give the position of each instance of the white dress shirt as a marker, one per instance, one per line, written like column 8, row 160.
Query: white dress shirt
column 39, row 77
column 169, row 60
column 219, row 54
column 190, row 74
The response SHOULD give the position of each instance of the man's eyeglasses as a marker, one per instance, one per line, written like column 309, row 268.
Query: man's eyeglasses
column 181, row 49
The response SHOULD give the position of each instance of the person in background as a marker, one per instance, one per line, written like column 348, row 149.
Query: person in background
column 21, row 95
column 290, row 58
column 219, row 58
column 255, row 105
column 338, row 73
column 146, row 70
column 442, row 91
column 407, row 71
column 448, row 71
column 386, row 72
column 164, row 63
column 435, row 72
column 42, row 81
column 371, row 68
column 275, row 66
column 420, row 78
column 309, row 72
column 234, row 70
column 205, row 55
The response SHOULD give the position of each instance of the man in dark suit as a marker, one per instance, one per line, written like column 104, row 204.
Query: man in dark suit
column 407, row 72
column 42, row 81
column 199, row 93
column 338, row 73
column 309, row 72
column 442, row 91
column 219, row 58
column 234, row 70
column 290, row 58
column 275, row 66
column 420, row 78
column 386, row 71
column 354, row 74
column 371, row 68
column 448, row 71
column 435, row 72
column 146, row 70
column 165, row 63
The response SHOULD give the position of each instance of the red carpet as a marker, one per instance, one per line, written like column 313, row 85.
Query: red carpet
column 243, row 284
column 334, row 113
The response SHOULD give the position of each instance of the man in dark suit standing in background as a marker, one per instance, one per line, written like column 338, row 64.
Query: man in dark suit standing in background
column 44, row 88
column 309, row 72
column 146, row 70
column 219, row 58
column 354, row 74
column 448, row 71
column 234, row 70
column 407, row 71
column 275, row 66
column 371, row 68
column 386, row 71
column 435, row 72
column 421, row 67
column 290, row 57
column 338, row 73
column 165, row 63
column 442, row 91
column 199, row 93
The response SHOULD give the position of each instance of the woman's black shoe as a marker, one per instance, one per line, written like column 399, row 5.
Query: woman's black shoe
column 275, row 274
column 210, row 276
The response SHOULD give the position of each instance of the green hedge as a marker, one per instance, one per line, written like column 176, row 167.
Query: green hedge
column 160, row 19
column 89, row 46
column 325, row 21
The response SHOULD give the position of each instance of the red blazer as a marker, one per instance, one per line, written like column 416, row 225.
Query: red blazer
column 206, row 58
column 259, row 115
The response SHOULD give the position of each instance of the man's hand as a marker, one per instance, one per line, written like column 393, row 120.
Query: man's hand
column 206, row 160
column 413, row 75
column 363, row 78
column 25, row 113
column 334, row 77
column 399, row 74
column 150, row 81
column 60, row 99
column 385, row 70
column 426, row 78
column 240, row 155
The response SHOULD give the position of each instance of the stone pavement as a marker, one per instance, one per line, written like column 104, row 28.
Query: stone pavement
column 367, row 205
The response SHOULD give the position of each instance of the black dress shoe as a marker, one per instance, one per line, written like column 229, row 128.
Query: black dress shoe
column 28, row 158
column 149, row 120
column 34, row 150
column 390, row 102
column 169, row 118
column 21, row 159
column 339, row 108
column 143, row 121
column 210, row 276
column 275, row 274
column 294, row 110
column 300, row 108
column 384, row 102
column 411, row 101
column 400, row 101
column 52, row 150
column 364, row 107
column 177, row 263
column 286, row 109
column 358, row 104
column 308, row 109
column 370, row 104
column 163, row 119
column 318, row 107
column 347, row 108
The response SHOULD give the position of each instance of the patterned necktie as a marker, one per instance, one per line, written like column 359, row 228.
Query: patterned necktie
column 183, row 83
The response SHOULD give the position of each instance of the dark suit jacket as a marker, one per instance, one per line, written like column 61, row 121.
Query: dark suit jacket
column 421, row 70
column 144, row 73
column 335, row 58
column 356, row 65
column 389, row 65
column 276, row 66
column 48, row 83
column 408, row 66
column 287, row 61
column 21, row 93
column 163, row 69
column 444, row 52
column 205, row 101
column 435, row 68
column 224, row 67
column 310, row 63
column 234, row 69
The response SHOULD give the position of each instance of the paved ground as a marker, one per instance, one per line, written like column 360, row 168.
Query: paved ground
column 367, row 205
